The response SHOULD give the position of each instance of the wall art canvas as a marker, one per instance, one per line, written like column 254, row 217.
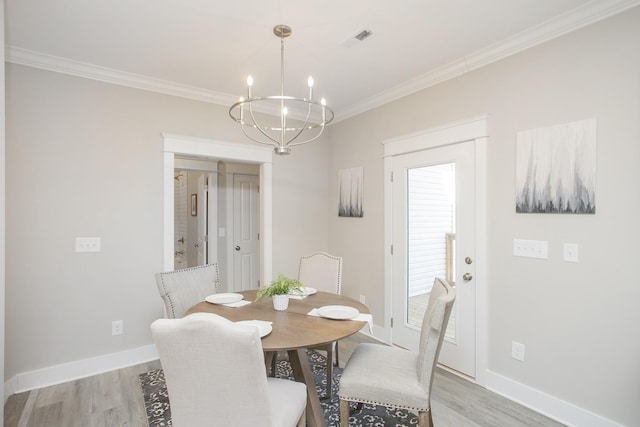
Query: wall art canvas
column 350, row 192
column 556, row 169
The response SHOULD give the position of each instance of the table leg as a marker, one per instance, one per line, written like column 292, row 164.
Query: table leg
column 269, row 361
column 302, row 373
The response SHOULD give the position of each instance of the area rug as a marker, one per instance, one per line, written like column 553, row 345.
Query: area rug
column 156, row 399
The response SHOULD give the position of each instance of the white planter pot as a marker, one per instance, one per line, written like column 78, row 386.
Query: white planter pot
column 280, row 302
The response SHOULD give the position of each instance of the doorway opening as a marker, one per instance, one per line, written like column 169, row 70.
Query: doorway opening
column 176, row 147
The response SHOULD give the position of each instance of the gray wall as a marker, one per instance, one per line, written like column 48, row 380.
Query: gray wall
column 84, row 160
column 579, row 322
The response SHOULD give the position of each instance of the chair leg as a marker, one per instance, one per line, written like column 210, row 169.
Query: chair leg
column 344, row 413
column 336, row 355
column 424, row 419
column 302, row 422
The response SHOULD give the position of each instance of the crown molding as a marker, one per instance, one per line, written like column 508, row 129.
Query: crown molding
column 58, row 64
column 591, row 12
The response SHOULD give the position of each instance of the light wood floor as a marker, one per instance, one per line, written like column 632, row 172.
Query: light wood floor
column 115, row 399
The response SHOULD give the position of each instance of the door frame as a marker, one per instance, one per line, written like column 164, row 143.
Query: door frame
column 218, row 150
column 472, row 129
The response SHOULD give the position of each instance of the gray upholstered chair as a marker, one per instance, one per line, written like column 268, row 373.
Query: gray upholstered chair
column 323, row 272
column 215, row 375
column 391, row 376
column 181, row 289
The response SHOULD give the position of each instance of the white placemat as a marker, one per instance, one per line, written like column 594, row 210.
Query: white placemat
column 237, row 304
column 362, row 317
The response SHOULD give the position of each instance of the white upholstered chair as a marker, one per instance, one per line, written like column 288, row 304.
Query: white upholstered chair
column 215, row 375
column 181, row 289
column 391, row 376
column 323, row 272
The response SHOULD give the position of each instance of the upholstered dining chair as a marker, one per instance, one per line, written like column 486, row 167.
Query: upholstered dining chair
column 215, row 375
column 181, row 289
column 323, row 272
column 390, row 376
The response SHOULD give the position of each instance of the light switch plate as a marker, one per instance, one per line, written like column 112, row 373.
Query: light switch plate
column 571, row 252
column 531, row 248
column 87, row 244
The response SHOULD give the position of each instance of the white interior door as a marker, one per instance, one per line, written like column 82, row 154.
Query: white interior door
column 246, row 245
column 433, row 235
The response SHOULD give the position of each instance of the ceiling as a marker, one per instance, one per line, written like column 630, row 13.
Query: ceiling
column 205, row 49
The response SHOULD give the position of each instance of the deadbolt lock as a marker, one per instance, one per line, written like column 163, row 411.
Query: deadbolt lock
column 467, row 276
column 468, row 260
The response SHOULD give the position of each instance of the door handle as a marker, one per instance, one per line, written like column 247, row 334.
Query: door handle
column 467, row 276
column 237, row 248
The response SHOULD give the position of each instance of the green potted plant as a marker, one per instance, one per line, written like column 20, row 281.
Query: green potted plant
column 279, row 290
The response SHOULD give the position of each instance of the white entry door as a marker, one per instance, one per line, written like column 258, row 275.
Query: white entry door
column 246, row 226
column 433, row 229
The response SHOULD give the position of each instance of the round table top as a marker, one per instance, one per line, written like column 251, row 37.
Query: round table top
column 292, row 328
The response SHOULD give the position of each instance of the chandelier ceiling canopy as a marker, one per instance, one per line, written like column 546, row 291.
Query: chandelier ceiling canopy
column 279, row 120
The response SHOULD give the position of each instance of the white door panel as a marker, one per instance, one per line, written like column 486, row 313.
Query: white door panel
column 246, row 255
column 433, row 231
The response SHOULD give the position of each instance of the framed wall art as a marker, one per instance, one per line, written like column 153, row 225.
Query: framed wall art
column 194, row 204
column 556, row 169
column 350, row 192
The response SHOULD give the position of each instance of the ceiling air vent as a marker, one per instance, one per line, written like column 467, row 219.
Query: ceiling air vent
column 361, row 36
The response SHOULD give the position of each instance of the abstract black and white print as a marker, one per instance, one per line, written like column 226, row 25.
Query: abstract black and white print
column 350, row 192
column 556, row 169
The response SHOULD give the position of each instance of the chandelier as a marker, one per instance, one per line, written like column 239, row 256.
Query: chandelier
column 285, row 121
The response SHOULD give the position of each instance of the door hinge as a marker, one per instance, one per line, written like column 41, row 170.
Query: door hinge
column 258, row 236
column 391, row 249
column 392, row 322
column 205, row 238
column 391, row 176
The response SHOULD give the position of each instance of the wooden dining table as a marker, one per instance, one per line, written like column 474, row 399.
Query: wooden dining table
column 293, row 330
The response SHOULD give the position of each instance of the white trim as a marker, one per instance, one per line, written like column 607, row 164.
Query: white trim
column 543, row 403
column 575, row 19
column 80, row 369
column 62, row 65
column 482, row 238
column 219, row 150
column 450, row 133
column 476, row 129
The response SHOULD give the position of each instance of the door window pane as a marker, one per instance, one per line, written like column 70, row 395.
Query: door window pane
column 430, row 227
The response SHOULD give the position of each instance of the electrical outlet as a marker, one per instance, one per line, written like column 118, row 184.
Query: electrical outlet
column 87, row 244
column 531, row 248
column 571, row 252
column 117, row 327
column 362, row 299
column 517, row 351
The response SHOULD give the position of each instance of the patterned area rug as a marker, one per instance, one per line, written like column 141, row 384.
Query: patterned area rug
column 156, row 399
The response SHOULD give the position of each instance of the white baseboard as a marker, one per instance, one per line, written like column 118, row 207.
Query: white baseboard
column 557, row 409
column 79, row 369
